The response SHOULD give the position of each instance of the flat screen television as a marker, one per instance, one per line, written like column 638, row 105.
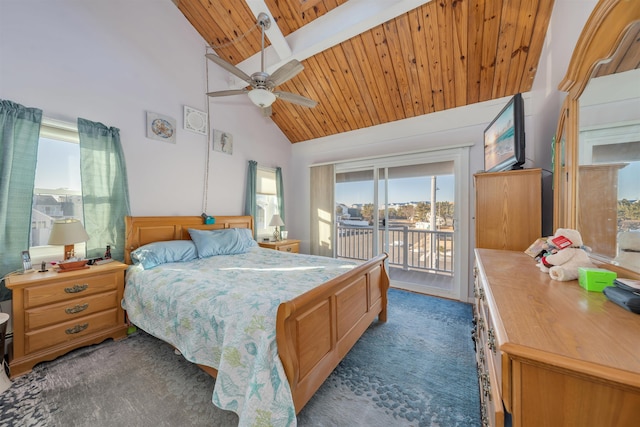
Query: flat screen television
column 504, row 138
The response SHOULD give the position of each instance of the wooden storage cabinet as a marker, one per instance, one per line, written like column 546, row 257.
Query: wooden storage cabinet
column 289, row 245
column 563, row 356
column 508, row 209
column 54, row 313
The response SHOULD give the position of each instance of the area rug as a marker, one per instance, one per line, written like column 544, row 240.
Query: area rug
column 417, row 369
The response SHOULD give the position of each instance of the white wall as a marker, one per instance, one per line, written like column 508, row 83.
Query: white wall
column 111, row 61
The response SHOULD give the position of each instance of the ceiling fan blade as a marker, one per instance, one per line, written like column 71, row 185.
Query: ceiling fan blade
column 266, row 111
column 230, row 68
column 295, row 98
column 286, row 72
column 228, row 92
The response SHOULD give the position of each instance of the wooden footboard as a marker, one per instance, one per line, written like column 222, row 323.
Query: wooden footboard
column 316, row 330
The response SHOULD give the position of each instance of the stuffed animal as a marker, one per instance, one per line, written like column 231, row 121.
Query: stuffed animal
column 562, row 263
column 629, row 250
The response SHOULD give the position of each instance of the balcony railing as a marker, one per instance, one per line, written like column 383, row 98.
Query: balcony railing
column 409, row 248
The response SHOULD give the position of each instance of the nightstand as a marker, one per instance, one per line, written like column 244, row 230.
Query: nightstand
column 288, row 245
column 54, row 313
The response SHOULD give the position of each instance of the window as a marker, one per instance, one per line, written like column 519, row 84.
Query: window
column 267, row 201
column 58, row 192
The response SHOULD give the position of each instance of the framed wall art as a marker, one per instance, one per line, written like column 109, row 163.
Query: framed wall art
column 222, row 141
column 161, row 128
column 195, row 120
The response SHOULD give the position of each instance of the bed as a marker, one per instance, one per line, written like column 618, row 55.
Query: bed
column 316, row 324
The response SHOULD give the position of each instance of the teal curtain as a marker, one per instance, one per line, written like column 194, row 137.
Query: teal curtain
column 280, row 195
column 105, row 191
column 19, row 134
column 250, row 202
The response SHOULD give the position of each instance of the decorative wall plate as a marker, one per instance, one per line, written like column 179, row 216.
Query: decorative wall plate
column 195, row 120
column 160, row 127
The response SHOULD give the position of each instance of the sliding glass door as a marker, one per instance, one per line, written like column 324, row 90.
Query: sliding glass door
column 406, row 209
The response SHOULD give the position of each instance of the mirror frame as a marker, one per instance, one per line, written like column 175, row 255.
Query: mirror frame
column 599, row 40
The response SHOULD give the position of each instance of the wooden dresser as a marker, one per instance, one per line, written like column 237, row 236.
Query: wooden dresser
column 289, row 245
column 550, row 353
column 54, row 313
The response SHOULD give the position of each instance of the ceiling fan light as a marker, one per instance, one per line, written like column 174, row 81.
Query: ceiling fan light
column 261, row 97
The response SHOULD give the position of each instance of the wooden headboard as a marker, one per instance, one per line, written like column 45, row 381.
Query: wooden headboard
column 140, row 230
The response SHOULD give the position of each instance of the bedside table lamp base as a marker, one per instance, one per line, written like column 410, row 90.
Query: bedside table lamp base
column 277, row 222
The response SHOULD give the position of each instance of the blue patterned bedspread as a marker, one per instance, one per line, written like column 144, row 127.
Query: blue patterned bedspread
column 221, row 312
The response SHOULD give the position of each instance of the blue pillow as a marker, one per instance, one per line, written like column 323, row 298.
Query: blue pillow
column 154, row 254
column 247, row 237
column 218, row 242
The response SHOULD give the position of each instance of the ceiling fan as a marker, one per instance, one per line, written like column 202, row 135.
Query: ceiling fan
column 262, row 92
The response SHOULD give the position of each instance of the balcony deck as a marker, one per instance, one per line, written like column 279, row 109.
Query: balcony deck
column 418, row 259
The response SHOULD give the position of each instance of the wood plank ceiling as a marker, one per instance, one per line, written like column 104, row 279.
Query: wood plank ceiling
column 436, row 56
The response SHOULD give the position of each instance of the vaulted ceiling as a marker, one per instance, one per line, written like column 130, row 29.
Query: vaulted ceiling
column 369, row 62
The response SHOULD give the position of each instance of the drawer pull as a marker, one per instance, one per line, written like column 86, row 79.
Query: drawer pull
column 288, row 249
column 486, row 386
column 76, row 329
column 481, row 324
column 77, row 288
column 77, row 309
column 491, row 340
column 481, row 356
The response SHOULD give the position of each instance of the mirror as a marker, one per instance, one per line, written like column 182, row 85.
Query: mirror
column 608, row 211
column 609, row 165
column 597, row 153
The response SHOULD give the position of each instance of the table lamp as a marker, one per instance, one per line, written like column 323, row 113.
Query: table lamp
column 68, row 232
column 277, row 222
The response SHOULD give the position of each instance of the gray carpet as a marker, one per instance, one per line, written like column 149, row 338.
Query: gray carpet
column 418, row 369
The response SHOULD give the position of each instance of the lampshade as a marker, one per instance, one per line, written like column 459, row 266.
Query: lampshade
column 276, row 221
column 67, row 232
column 262, row 97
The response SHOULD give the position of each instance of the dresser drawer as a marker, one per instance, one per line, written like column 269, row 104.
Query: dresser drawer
column 64, row 290
column 68, row 310
column 491, row 398
column 67, row 331
column 293, row 247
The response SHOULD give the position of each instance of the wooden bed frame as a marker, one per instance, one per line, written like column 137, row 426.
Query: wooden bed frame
column 315, row 330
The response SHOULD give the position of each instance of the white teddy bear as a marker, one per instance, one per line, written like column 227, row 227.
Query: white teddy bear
column 562, row 265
